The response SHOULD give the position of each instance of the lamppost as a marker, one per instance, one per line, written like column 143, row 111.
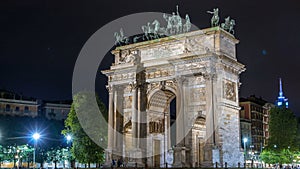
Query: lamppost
column 35, row 136
column 69, row 139
column 245, row 141
column 252, row 154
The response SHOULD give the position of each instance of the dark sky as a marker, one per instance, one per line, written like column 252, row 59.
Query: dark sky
column 40, row 41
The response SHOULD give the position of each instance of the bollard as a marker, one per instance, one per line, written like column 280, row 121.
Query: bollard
column 239, row 164
column 244, row 165
column 135, row 164
column 216, row 164
column 225, row 165
column 166, row 165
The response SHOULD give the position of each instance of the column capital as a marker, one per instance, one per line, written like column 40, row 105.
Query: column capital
column 210, row 76
column 180, row 79
column 133, row 85
column 109, row 88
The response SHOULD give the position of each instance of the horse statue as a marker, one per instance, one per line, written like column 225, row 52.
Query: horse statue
column 120, row 38
column 228, row 25
column 231, row 25
column 187, row 26
column 156, row 28
column 215, row 18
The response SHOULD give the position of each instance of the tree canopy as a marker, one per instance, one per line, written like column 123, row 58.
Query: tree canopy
column 283, row 127
column 85, row 127
column 282, row 145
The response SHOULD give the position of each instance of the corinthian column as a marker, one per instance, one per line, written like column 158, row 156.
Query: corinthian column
column 110, row 117
column 134, row 118
column 110, row 136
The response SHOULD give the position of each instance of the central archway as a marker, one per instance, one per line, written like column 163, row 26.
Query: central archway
column 159, row 126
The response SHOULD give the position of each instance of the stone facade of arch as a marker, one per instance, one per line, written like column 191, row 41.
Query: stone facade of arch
column 200, row 70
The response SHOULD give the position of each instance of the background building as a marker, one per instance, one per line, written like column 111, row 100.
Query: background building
column 267, row 107
column 13, row 104
column 56, row 110
column 16, row 105
column 254, row 122
column 281, row 100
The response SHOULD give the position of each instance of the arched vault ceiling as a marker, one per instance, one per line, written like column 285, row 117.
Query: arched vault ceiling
column 160, row 100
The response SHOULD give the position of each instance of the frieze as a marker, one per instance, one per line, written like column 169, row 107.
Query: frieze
column 162, row 52
column 159, row 73
column 123, row 76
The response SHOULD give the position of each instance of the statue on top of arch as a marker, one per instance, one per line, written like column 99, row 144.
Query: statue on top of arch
column 175, row 25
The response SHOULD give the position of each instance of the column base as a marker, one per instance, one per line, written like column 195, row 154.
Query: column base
column 135, row 158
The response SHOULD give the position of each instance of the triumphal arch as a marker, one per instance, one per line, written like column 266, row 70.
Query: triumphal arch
column 196, row 73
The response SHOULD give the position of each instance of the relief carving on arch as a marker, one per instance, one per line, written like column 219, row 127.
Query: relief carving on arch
column 152, row 86
column 128, row 56
column 127, row 102
column 229, row 90
column 128, row 126
column 198, row 94
column 197, row 80
column 156, row 126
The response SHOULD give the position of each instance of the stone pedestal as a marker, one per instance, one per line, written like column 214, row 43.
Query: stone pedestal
column 108, row 159
column 216, row 157
column 179, row 157
column 136, row 159
column 208, row 162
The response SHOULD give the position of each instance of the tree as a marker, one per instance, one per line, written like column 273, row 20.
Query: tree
column 56, row 155
column 84, row 117
column 282, row 144
column 284, row 156
column 1, row 154
column 283, row 130
column 26, row 152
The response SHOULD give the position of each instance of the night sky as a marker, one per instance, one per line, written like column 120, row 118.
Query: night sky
column 40, row 41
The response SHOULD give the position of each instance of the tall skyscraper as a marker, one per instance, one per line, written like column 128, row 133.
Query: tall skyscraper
column 281, row 100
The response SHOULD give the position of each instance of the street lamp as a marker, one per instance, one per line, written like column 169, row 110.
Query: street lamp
column 252, row 154
column 245, row 141
column 69, row 139
column 35, row 136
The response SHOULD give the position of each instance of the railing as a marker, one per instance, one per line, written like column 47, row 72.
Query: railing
column 216, row 165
